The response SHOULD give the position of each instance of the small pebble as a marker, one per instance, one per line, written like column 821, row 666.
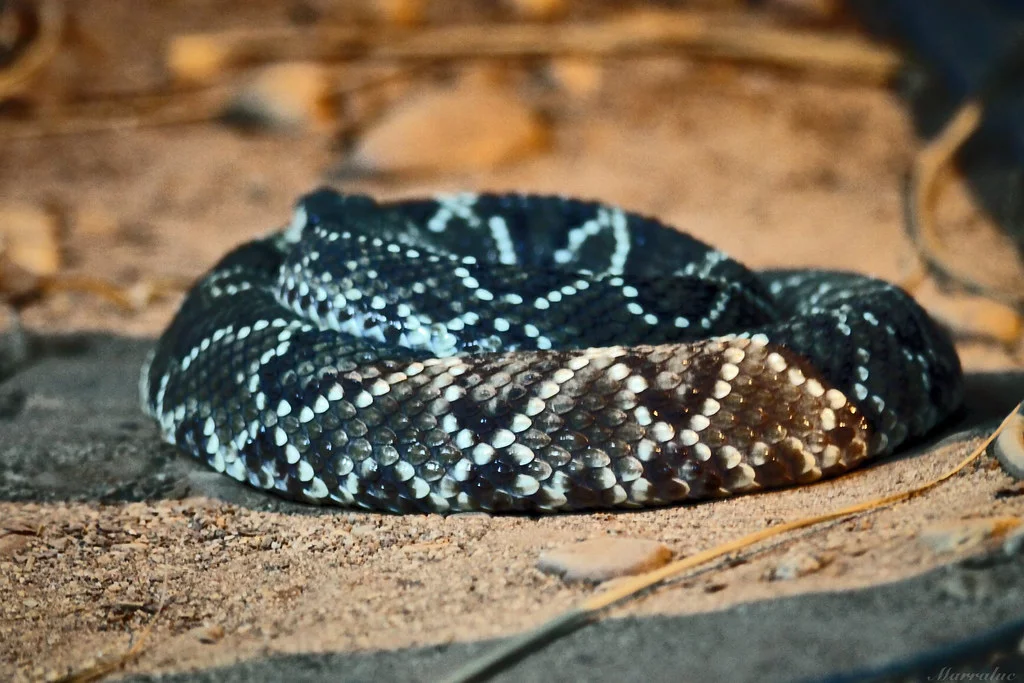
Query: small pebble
column 601, row 559
column 795, row 565
column 580, row 77
column 401, row 12
column 1009, row 447
column 958, row 536
column 291, row 96
column 209, row 634
column 471, row 127
column 196, row 59
column 30, row 236
column 539, row 10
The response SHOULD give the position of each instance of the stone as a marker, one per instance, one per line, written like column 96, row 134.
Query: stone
column 1009, row 447
column 580, row 77
column 30, row 238
column 540, row 10
column 795, row 565
column 601, row 559
column 474, row 126
column 962, row 535
column 291, row 96
column 209, row 634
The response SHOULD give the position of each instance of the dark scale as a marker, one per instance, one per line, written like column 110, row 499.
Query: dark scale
column 527, row 353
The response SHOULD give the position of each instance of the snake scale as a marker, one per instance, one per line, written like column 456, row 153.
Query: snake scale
column 507, row 352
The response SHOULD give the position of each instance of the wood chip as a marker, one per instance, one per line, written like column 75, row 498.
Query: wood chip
column 601, row 559
column 471, row 127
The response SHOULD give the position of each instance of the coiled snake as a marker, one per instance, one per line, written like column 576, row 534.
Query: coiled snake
column 512, row 352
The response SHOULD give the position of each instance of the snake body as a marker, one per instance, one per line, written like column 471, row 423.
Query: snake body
column 533, row 353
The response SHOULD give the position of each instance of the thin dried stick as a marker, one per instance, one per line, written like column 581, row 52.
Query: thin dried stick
column 491, row 662
column 700, row 35
column 141, row 111
column 150, row 110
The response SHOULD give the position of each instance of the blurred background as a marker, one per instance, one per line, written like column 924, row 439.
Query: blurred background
column 140, row 141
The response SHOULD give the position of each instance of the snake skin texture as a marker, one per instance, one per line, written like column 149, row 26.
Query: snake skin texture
column 531, row 353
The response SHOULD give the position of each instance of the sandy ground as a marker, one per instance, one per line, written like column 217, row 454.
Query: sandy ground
column 109, row 532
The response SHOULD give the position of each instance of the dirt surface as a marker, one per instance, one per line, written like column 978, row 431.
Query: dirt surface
column 108, row 538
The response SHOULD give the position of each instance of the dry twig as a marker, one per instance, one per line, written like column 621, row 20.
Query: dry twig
column 125, row 113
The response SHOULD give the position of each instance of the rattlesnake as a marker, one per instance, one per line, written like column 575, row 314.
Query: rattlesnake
column 510, row 352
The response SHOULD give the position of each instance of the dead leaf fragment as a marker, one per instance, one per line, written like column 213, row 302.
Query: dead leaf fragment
column 471, row 127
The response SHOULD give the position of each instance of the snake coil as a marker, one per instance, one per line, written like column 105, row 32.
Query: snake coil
column 530, row 353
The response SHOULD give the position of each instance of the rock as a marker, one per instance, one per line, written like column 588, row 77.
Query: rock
column 209, row 634
column 958, row 536
column 30, row 237
column 401, row 12
column 289, row 96
column 580, row 77
column 601, row 559
column 539, row 10
column 1009, row 447
column 474, row 126
column 196, row 59
column 796, row 564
